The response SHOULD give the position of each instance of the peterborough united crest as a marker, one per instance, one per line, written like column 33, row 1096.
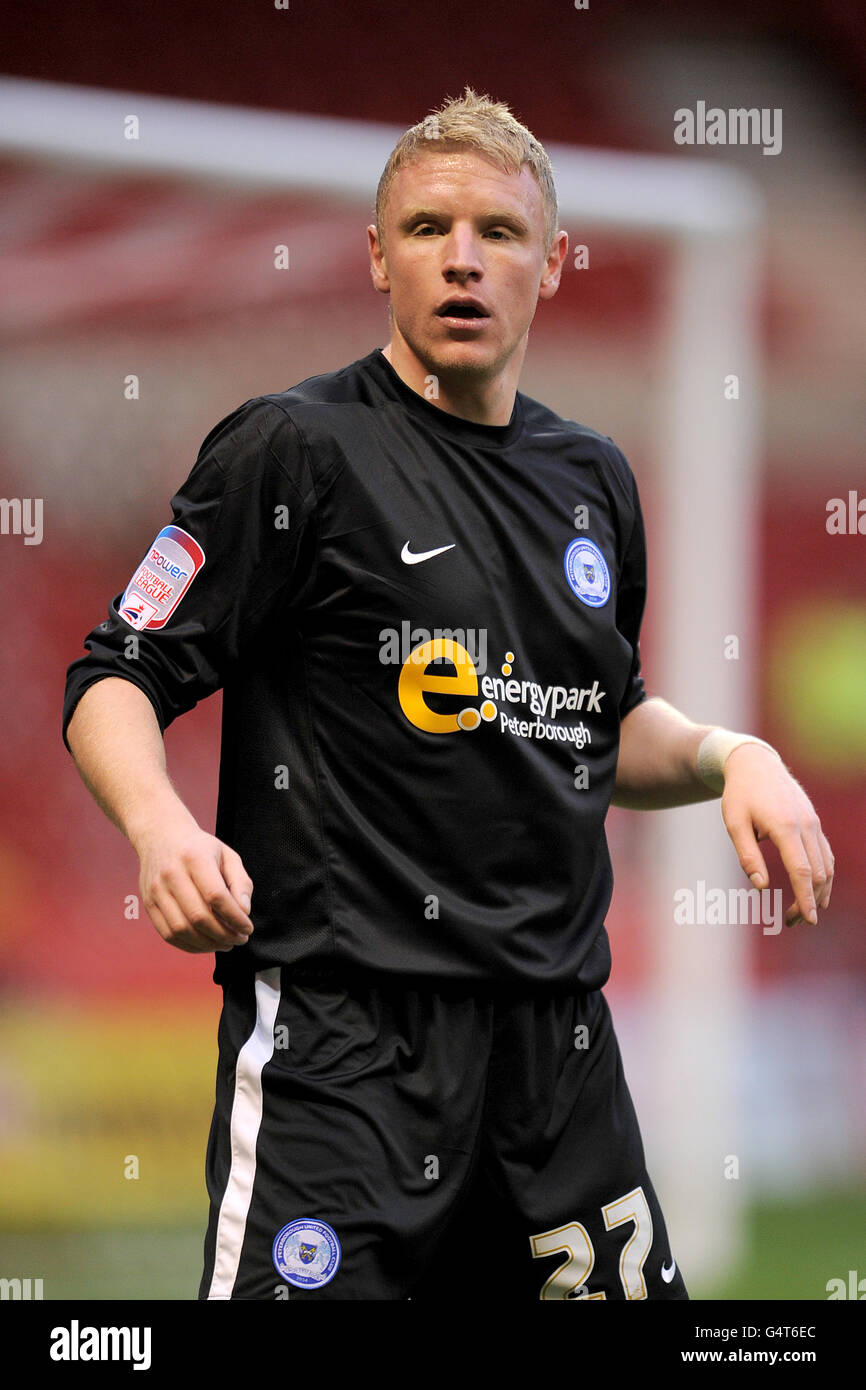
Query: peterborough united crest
column 587, row 573
column 307, row 1254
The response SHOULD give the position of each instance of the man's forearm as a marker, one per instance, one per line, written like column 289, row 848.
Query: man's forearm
column 658, row 759
column 194, row 888
column 117, row 745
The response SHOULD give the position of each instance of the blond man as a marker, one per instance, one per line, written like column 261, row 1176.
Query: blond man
column 432, row 694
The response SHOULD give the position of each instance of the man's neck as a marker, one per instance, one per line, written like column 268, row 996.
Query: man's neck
column 484, row 401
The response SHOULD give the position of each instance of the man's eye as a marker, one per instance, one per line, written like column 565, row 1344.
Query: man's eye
column 499, row 233
column 424, row 227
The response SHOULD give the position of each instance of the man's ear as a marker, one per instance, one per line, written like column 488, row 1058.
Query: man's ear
column 378, row 268
column 553, row 267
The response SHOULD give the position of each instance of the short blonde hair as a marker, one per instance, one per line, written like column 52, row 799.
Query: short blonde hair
column 477, row 123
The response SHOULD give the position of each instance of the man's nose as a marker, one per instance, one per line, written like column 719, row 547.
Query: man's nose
column 462, row 255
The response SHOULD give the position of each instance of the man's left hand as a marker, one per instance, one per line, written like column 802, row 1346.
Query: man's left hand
column 761, row 801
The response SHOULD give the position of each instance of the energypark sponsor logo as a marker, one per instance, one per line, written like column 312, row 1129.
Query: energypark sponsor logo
column 162, row 579
column 419, row 680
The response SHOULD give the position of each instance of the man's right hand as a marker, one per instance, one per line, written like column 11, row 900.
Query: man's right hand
column 195, row 890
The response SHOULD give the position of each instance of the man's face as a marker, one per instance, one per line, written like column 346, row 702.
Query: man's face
column 465, row 262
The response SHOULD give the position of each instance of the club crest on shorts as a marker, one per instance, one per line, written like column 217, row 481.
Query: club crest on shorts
column 307, row 1254
column 587, row 572
column 162, row 579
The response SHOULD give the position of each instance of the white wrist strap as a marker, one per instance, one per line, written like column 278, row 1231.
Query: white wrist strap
column 715, row 749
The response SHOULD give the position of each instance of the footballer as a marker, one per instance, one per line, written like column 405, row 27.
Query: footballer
column 432, row 694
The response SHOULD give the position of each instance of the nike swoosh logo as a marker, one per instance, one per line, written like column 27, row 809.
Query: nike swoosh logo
column 409, row 558
column 668, row 1274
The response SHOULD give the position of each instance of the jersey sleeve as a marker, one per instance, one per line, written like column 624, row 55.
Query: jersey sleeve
column 631, row 599
column 240, row 547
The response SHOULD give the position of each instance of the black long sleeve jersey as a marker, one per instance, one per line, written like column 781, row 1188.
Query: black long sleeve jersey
column 426, row 631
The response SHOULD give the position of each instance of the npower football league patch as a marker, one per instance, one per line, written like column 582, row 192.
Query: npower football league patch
column 162, row 579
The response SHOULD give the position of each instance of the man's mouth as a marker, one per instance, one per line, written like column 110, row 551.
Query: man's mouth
column 462, row 311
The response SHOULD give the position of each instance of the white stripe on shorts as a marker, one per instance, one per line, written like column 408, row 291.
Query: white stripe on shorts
column 245, row 1121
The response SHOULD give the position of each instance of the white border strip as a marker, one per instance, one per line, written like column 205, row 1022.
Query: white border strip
column 245, row 1123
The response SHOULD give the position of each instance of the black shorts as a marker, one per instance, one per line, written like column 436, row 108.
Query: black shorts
column 377, row 1141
